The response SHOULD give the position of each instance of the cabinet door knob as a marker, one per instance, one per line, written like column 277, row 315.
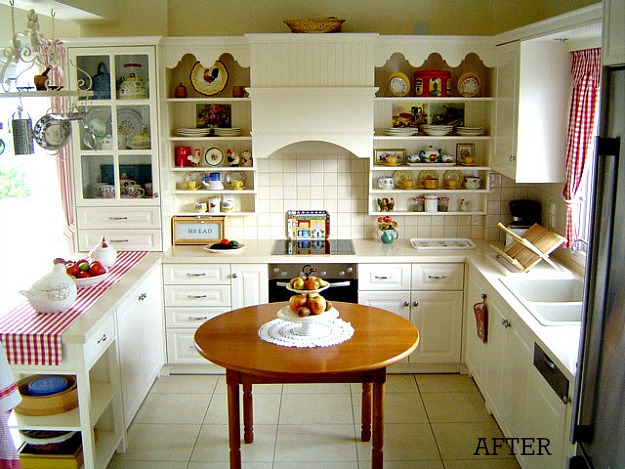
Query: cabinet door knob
column 505, row 323
column 415, row 304
column 406, row 304
column 235, row 275
column 512, row 158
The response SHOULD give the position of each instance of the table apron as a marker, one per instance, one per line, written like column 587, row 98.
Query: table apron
column 372, row 376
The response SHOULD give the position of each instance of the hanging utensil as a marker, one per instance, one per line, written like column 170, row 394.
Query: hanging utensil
column 22, row 126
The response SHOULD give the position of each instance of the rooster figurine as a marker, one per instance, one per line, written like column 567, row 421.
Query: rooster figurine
column 233, row 158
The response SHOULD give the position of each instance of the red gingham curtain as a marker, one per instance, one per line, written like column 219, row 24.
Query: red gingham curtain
column 586, row 68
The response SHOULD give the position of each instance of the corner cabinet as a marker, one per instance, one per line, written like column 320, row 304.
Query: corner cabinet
column 407, row 56
column 115, row 150
column 224, row 150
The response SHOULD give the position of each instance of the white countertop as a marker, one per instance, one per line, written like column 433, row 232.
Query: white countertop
column 561, row 343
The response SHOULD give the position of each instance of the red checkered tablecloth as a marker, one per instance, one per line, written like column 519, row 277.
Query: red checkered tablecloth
column 31, row 338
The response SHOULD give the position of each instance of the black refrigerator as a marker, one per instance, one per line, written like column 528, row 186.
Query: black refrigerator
column 599, row 401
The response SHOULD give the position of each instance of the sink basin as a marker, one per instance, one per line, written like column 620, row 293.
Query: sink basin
column 548, row 290
column 552, row 301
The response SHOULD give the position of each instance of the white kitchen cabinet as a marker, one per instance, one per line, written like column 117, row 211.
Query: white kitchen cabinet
column 140, row 341
column 429, row 295
column 613, row 50
column 194, row 293
column 115, row 151
column 519, row 398
column 533, row 92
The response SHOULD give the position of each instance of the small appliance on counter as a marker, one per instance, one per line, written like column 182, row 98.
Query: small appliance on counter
column 525, row 213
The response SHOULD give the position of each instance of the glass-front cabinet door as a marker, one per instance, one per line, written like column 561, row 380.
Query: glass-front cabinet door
column 115, row 150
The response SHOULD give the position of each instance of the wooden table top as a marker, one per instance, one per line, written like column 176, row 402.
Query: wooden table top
column 380, row 338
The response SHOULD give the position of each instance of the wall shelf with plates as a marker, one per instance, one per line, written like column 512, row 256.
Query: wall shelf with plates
column 210, row 123
column 458, row 119
column 115, row 149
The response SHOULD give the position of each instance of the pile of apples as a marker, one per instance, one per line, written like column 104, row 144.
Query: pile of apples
column 306, row 304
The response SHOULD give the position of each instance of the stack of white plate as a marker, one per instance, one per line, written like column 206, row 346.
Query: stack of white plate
column 191, row 132
column 469, row 130
column 230, row 132
column 437, row 130
column 401, row 131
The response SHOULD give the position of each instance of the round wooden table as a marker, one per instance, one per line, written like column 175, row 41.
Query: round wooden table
column 380, row 339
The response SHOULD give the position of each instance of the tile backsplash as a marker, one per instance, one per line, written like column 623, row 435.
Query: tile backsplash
column 320, row 176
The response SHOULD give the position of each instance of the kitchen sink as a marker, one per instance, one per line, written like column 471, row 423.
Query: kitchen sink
column 552, row 301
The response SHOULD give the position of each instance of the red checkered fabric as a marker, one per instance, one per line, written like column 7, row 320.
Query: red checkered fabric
column 9, row 398
column 31, row 338
column 586, row 69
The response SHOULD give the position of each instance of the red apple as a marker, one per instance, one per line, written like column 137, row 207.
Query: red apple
column 303, row 311
column 297, row 301
column 316, row 303
column 311, row 284
column 297, row 283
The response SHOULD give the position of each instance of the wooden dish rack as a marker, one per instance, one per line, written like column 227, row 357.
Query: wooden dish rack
column 528, row 250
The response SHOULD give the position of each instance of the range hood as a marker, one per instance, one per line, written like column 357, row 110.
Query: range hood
column 312, row 88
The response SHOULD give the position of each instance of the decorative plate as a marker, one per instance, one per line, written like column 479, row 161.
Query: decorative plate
column 214, row 156
column 402, row 175
column 469, row 85
column 223, row 251
column 209, row 81
column 399, row 84
column 50, row 133
column 129, row 122
column 453, row 175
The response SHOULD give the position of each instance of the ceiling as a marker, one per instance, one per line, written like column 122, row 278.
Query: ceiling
column 70, row 10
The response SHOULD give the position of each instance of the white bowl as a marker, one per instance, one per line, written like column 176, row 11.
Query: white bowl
column 90, row 281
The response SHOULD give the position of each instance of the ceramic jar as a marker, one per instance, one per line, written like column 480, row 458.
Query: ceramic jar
column 55, row 292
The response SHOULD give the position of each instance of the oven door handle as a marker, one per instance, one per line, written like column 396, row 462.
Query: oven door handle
column 346, row 283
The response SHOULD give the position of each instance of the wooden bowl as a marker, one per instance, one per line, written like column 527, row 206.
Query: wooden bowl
column 50, row 404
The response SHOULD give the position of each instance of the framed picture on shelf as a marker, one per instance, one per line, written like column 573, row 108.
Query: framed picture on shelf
column 465, row 154
column 213, row 115
column 389, row 156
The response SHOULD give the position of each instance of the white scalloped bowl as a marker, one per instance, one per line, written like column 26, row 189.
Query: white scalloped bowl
column 90, row 281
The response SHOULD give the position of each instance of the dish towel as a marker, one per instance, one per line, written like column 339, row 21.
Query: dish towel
column 9, row 398
column 481, row 319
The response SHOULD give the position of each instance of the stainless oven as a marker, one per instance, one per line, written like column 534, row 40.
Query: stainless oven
column 342, row 277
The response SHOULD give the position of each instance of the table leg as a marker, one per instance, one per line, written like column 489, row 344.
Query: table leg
column 234, row 429
column 377, row 452
column 365, row 418
column 248, row 414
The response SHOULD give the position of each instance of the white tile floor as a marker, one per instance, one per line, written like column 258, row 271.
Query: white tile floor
column 432, row 421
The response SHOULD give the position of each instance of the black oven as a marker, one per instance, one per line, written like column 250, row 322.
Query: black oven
column 342, row 277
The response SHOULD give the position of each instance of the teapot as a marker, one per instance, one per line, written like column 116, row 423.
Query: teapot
column 104, row 253
column 430, row 155
column 132, row 86
column 55, row 292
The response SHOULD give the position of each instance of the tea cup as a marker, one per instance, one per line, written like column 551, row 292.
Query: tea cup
column 191, row 184
column 386, row 183
column 149, row 189
column 472, row 182
column 106, row 191
column 452, row 184
column 134, row 191
column 469, row 160
column 236, row 184
column 392, row 160
column 200, row 207
column 429, row 183
column 407, row 184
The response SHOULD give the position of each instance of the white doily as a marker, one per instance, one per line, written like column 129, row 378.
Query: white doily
column 320, row 334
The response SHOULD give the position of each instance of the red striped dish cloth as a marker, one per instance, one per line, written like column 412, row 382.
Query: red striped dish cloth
column 31, row 338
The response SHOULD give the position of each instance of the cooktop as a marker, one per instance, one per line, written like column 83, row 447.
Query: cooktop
column 313, row 246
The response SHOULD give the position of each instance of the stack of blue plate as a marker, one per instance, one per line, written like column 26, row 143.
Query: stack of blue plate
column 47, row 385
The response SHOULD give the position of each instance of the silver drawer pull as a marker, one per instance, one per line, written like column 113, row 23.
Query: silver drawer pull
column 438, row 277
column 197, row 318
column 118, row 218
column 196, row 296
column 102, row 339
column 190, row 274
column 119, row 240
column 379, row 277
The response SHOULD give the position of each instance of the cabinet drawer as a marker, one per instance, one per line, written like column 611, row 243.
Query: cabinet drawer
column 438, row 276
column 118, row 218
column 383, row 277
column 192, row 317
column 197, row 295
column 181, row 348
column 137, row 240
column 99, row 341
column 196, row 274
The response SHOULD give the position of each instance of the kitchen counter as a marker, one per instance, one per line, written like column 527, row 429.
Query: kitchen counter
column 562, row 342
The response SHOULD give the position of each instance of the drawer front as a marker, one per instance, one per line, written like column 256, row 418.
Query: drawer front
column 197, row 295
column 99, row 341
column 196, row 274
column 383, row 277
column 118, row 218
column 438, row 276
column 181, row 348
column 192, row 317
column 131, row 240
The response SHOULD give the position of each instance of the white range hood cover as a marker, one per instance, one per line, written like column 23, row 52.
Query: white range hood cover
column 339, row 115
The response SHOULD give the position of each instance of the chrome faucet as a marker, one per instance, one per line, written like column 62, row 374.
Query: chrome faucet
column 576, row 245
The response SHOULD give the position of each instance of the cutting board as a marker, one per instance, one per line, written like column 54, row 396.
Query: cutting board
column 307, row 224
